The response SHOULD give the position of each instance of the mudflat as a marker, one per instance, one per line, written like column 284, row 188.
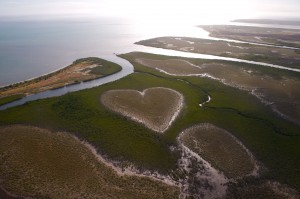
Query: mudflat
column 38, row 163
column 219, row 148
column 271, row 86
column 156, row 108
column 274, row 36
column 177, row 67
column 268, row 54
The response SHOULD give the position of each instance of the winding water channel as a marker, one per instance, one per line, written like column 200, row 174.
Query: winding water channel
column 127, row 68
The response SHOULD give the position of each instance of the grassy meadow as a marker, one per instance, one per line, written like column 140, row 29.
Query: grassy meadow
column 8, row 99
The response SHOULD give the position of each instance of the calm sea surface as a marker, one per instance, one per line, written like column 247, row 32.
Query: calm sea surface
column 33, row 48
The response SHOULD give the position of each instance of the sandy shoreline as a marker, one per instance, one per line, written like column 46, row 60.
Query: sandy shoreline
column 81, row 70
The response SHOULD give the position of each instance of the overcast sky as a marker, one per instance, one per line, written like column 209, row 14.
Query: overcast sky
column 149, row 9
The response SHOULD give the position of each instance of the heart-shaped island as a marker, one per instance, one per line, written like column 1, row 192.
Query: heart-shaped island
column 156, row 108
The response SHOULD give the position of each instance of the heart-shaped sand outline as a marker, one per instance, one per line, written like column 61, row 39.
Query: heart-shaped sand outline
column 156, row 108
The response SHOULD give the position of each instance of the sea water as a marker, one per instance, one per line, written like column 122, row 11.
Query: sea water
column 32, row 48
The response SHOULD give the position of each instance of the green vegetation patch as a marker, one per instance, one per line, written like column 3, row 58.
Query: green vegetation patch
column 272, row 140
column 119, row 138
column 219, row 148
column 274, row 86
column 102, row 67
column 37, row 163
column 8, row 99
column 97, row 67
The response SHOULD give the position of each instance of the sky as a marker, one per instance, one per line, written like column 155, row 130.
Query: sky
column 153, row 10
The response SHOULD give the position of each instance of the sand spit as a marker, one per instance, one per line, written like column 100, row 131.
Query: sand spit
column 80, row 70
column 156, row 108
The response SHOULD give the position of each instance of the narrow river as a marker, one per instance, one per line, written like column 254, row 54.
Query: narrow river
column 128, row 69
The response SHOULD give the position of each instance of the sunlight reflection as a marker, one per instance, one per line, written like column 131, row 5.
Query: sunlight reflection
column 180, row 12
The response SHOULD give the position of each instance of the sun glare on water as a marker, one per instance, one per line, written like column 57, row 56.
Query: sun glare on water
column 173, row 17
column 178, row 11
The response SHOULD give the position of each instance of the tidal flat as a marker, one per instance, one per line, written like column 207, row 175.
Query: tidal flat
column 156, row 108
column 260, row 35
column 252, row 52
column 219, row 148
column 131, row 145
column 38, row 163
column 276, row 88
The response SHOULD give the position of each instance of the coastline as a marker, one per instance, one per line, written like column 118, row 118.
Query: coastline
column 81, row 70
column 35, row 78
column 212, row 55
